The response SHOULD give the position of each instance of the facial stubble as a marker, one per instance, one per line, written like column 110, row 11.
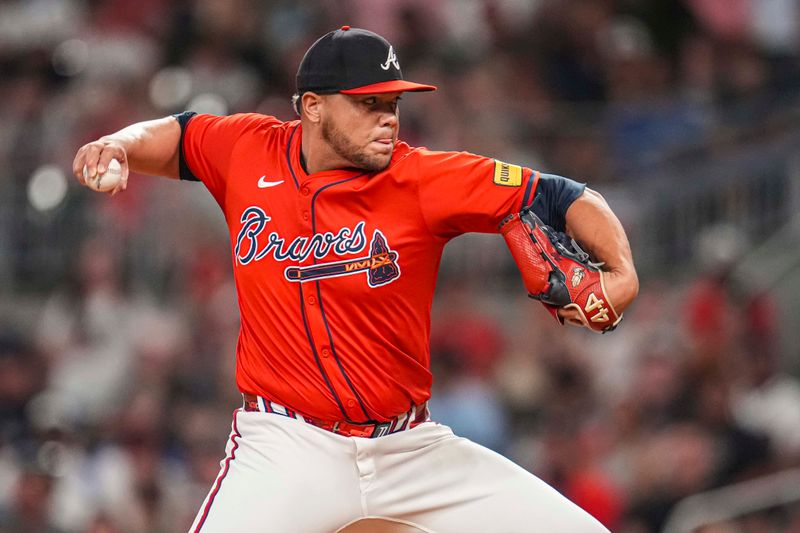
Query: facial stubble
column 346, row 149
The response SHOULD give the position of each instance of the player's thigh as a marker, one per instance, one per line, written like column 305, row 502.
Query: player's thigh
column 456, row 486
column 278, row 476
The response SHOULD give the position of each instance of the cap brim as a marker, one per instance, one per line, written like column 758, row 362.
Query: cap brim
column 393, row 86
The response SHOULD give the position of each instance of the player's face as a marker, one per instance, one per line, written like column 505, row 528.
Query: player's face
column 362, row 129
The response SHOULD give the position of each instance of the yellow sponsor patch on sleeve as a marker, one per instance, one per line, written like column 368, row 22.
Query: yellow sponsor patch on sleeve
column 507, row 175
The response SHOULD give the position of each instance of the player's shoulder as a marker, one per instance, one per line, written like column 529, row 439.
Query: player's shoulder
column 424, row 159
column 259, row 122
column 244, row 122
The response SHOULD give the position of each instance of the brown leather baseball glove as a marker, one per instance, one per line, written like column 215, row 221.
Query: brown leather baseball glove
column 557, row 272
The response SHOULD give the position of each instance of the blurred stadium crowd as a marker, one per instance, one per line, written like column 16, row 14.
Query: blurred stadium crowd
column 118, row 318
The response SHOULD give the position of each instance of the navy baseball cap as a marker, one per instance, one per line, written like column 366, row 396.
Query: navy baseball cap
column 353, row 61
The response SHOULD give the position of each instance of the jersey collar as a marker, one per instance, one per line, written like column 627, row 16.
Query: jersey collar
column 297, row 168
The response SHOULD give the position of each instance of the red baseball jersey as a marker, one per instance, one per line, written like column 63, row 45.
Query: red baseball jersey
column 335, row 271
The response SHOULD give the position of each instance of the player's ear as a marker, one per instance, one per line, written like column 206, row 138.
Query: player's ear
column 311, row 104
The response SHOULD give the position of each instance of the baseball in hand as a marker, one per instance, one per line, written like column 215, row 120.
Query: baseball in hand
column 108, row 180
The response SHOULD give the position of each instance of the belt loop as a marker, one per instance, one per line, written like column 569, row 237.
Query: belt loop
column 401, row 422
column 261, row 404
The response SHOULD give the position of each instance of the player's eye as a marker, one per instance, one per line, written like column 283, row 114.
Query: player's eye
column 375, row 103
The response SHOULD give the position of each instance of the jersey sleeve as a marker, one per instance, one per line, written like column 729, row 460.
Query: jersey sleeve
column 461, row 192
column 208, row 142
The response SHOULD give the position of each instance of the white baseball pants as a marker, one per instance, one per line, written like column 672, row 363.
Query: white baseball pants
column 282, row 475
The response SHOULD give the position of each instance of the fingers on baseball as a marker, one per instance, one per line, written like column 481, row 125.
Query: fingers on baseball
column 95, row 157
column 123, row 184
column 79, row 162
column 87, row 158
column 92, row 158
column 106, row 155
column 105, row 159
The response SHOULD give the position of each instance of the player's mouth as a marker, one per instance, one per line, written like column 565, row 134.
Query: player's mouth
column 383, row 144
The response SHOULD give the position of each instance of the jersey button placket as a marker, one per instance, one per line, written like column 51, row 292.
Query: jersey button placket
column 304, row 204
column 313, row 307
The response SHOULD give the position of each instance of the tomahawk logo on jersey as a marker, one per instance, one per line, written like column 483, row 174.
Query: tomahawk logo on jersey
column 336, row 270
column 380, row 265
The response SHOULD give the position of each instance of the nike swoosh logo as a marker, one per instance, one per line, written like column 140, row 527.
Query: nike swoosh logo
column 263, row 184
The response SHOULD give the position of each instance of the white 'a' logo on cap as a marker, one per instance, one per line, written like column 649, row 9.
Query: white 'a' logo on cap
column 391, row 60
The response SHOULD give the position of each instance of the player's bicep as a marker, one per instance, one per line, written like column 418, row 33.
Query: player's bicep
column 462, row 192
column 207, row 144
column 205, row 147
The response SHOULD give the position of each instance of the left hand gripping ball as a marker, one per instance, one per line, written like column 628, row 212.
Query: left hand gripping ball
column 106, row 181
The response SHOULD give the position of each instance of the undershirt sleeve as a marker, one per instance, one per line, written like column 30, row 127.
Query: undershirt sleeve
column 554, row 194
column 184, row 171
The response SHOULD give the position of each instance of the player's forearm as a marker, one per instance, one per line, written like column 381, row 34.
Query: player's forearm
column 591, row 222
column 151, row 147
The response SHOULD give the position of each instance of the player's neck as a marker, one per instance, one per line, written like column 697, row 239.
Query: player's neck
column 316, row 155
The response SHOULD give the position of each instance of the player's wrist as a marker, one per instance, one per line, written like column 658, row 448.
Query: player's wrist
column 622, row 287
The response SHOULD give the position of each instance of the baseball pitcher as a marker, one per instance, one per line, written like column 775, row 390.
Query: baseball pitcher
column 337, row 229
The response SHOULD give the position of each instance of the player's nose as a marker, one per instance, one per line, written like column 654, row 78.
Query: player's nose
column 388, row 120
